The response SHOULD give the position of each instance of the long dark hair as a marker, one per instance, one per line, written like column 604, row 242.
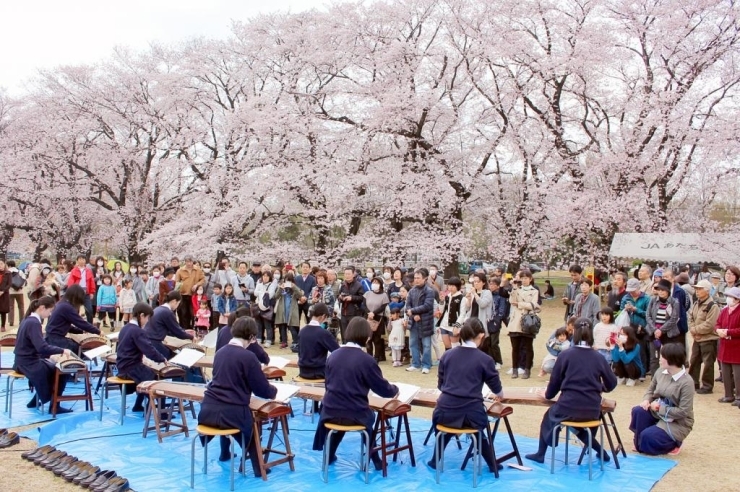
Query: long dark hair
column 44, row 301
column 75, row 295
column 631, row 342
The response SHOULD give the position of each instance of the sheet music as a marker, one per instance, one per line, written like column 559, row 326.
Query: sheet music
column 406, row 392
column 187, row 357
column 97, row 352
column 485, row 391
column 209, row 341
column 279, row 362
column 285, row 391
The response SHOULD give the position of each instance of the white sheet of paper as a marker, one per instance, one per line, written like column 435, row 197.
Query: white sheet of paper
column 209, row 341
column 285, row 391
column 406, row 392
column 97, row 352
column 113, row 336
column 485, row 391
column 187, row 357
column 278, row 362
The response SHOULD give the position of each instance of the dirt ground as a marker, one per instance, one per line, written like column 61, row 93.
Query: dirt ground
column 702, row 465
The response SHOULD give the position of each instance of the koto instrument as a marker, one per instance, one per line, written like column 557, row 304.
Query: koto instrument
column 176, row 343
column 8, row 340
column 71, row 363
column 88, row 341
column 163, row 371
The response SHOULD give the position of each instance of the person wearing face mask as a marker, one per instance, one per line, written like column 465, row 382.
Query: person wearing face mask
column 198, row 297
column 350, row 298
column 306, row 281
column 374, row 304
column 662, row 321
column 139, row 287
column 387, row 277
column 81, row 275
column 435, row 279
column 728, row 330
column 626, row 360
column 369, row 276
column 316, row 344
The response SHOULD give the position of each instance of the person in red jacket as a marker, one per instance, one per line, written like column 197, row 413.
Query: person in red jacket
column 728, row 329
column 83, row 276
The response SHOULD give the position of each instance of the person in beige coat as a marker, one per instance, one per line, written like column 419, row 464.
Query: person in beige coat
column 702, row 319
column 524, row 299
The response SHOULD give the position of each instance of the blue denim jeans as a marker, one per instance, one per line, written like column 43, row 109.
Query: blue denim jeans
column 425, row 362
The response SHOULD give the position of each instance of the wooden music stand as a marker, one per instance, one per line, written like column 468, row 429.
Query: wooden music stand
column 277, row 412
column 398, row 410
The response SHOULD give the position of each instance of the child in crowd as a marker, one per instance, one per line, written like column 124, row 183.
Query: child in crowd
column 605, row 333
column 549, row 291
column 396, row 337
column 106, row 301
column 556, row 344
column 396, row 302
column 127, row 299
column 626, row 359
column 197, row 298
column 215, row 315
column 226, row 305
column 449, row 322
column 203, row 318
column 437, row 346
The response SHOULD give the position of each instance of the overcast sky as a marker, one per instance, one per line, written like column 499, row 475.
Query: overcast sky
column 46, row 33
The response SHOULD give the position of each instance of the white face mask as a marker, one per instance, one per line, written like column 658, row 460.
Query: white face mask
column 276, row 276
column 369, row 275
column 200, row 292
column 376, row 288
column 387, row 275
column 156, row 274
column 288, row 285
column 731, row 301
column 432, row 272
column 206, row 270
column 623, row 338
column 100, row 263
column 132, row 271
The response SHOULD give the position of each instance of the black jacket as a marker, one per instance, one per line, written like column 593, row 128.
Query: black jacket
column 353, row 307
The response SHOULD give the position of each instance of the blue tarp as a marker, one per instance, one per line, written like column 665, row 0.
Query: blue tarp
column 151, row 466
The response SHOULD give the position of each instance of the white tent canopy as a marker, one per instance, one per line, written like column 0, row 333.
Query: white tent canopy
column 681, row 248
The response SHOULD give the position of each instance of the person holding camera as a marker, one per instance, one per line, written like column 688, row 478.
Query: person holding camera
column 523, row 300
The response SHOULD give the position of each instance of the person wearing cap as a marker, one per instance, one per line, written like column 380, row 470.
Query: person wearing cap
column 702, row 321
column 657, row 276
column 728, row 330
column 636, row 304
column 256, row 272
column 662, row 322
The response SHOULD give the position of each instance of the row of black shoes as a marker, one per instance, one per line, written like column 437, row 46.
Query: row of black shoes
column 76, row 471
column 8, row 439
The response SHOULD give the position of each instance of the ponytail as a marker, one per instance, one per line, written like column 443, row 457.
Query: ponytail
column 44, row 301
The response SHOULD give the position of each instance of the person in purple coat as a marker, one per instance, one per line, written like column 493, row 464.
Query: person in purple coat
column 350, row 375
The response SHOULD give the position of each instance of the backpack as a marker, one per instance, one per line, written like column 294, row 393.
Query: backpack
column 17, row 282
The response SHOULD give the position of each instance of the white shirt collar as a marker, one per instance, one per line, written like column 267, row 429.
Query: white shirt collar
column 676, row 376
column 236, row 342
column 469, row 343
column 352, row 344
column 314, row 323
column 35, row 315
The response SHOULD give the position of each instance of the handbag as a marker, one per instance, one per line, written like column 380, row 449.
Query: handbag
column 374, row 324
column 531, row 324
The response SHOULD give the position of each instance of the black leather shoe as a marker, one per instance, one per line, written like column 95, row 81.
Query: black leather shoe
column 54, row 454
column 50, row 463
column 93, row 477
column 704, row 391
column 9, row 439
column 726, row 399
column 34, row 453
column 83, row 474
column 3, row 432
column 103, row 478
column 61, row 410
column 73, row 470
column 63, row 465
column 115, row 485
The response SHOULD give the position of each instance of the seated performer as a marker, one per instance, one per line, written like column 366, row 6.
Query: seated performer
column 462, row 374
column 350, row 375
column 224, row 335
column 163, row 323
column 236, row 375
column 31, row 351
column 316, row 343
column 133, row 345
column 66, row 319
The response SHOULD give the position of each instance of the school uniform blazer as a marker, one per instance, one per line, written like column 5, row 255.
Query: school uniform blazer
column 31, row 351
column 164, row 323
column 65, row 319
column 133, row 345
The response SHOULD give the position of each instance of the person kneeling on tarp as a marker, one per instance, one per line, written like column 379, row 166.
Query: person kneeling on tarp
column 666, row 416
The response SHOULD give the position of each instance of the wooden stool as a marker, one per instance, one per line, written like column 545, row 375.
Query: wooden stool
column 205, row 431
column 364, row 448
column 591, row 424
column 398, row 410
column 475, row 436
column 498, row 412
column 122, row 383
column 309, row 382
column 56, row 398
column 277, row 413
column 154, row 408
